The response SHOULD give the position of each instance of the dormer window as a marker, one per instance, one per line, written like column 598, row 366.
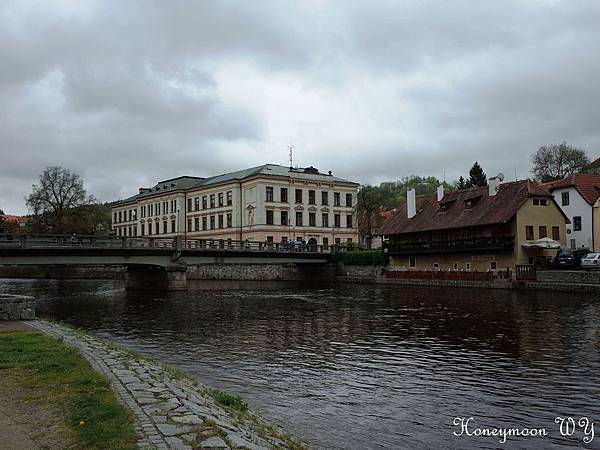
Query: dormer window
column 469, row 204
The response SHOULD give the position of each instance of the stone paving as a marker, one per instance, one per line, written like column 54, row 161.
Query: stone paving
column 171, row 411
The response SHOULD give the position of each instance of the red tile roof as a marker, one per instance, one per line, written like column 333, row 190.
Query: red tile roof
column 486, row 210
column 587, row 185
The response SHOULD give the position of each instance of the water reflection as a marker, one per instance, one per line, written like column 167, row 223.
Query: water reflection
column 363, row 366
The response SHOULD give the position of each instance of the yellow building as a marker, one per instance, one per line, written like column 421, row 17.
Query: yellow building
column 477, row 229
column 268, row 203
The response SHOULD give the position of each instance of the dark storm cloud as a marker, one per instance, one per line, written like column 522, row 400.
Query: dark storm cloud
column 130, row 92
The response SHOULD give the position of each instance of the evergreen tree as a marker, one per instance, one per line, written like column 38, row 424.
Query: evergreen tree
column 461, row 183
column 477, row 176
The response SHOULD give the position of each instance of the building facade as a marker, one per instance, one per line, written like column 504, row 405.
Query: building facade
column 268, row 203
column 481, row 229
column 578, row 196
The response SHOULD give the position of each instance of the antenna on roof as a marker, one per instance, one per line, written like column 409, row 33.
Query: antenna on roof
column 291, row 148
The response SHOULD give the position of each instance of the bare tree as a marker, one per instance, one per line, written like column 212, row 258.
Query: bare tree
column 367, row 206
column 555, row 161
column 58, row 192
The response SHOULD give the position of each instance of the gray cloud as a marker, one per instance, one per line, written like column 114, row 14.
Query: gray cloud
column 126, row 93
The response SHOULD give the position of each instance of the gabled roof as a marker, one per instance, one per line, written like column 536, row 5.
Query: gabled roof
column 587, row 185
column 487, row 210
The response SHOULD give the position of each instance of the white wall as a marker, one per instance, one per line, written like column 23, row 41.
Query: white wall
column 577, row 207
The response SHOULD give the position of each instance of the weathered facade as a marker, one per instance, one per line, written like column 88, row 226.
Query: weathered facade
column 264, row 203
column 478, row 229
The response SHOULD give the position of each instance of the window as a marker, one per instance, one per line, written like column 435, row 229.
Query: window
column 311, row 198
column 130, row 215
column 270, row 239
column 455, row 266
column 220, row 220
column 325, row 220
column 189, row 206
column 197, row 224
column 283, row 195
column 556, row 233
column 212, row 200
column 336, row 199
column 212, row 222
column 143, row 229
column 336, row 221
column 129, row 231
column 150, row 210
column 172, row 225
column 325, row 243
column 115, row 218
column 298, row 195
column 436, row 266
column 229, row 198
column 493, row 265
column 220, row 199
column 229, row 220
column 543, row 231
column 529, row 233
column 269, row 217
column 165, row 231
column 269, row 194
column 204, row 223
column 349, row 200
column 543, row 202
column 284, row 218
column 312, row 219
column 468, row 266
column 536, row 202
column 284, row 239
column 565, row 198
column 149, row 228
column 324, row 198
column 299, row 218
column 349, row 221
column 120, row 216
column 337, row 241
column 196, row 203
column 204, row 203
column 349, row 240
column 577, row 223
column 412, row 262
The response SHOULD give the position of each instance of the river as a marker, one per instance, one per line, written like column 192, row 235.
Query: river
column 363, row 366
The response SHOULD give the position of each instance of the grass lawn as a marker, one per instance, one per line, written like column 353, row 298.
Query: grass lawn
column 50, row 375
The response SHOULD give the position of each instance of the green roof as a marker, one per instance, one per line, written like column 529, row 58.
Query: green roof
column 188, row 182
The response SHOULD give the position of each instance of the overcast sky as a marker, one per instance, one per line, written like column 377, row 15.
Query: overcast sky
column 130, row 92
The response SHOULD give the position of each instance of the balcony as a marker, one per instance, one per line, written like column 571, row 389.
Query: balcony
column 499, row 243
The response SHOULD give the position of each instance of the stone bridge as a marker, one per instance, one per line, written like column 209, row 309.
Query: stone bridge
column 157, row 263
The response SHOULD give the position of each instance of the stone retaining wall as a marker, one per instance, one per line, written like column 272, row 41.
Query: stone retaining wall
column 16, row 307
column 64, row 272
column 262, row 272
column 568, row 276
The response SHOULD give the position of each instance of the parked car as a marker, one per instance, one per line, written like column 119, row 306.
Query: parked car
column 570, row 259
column 591, row 261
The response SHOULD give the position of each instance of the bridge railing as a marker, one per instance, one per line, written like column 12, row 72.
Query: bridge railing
column 93, row 241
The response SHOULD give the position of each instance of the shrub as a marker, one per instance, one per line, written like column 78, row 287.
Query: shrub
column 363, row 258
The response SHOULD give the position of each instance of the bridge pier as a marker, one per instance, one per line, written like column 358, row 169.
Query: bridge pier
column 170, row 278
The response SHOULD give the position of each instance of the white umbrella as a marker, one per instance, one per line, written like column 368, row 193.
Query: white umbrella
column 543, row 243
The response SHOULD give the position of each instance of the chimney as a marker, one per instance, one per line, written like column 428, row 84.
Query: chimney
column 440, row 193
column 411, row 203
column 493, row 186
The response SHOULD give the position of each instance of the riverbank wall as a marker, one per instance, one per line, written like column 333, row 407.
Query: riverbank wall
column 241, row 272
column 17, row 307
column 548, row 280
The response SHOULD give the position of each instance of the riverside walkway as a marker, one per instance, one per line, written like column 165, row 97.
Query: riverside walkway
column 171, row 411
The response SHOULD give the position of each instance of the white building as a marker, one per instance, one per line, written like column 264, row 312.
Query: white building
column 268, row 203
column 578, row 196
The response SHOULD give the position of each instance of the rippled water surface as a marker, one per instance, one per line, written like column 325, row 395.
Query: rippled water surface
column 352, row 366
